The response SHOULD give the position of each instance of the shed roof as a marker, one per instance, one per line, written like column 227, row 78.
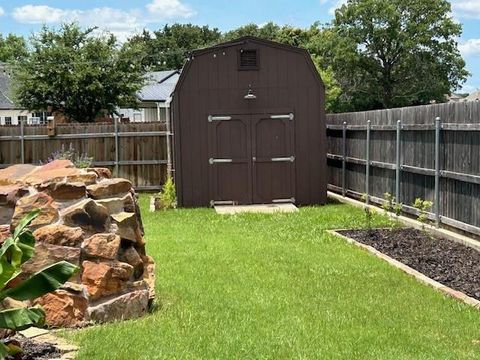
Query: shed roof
column 160, row 85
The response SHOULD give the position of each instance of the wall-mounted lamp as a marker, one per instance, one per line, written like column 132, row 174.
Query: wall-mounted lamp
column 250, row 95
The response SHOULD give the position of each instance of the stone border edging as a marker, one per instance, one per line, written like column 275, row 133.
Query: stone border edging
column 450, row 235
column 410, row 271
column 39, row 335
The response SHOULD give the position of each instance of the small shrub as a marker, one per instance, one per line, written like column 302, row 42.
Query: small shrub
column 389, row 202
column 168, row 196
column 368, row 213
column 422, row 206
column 81, row 161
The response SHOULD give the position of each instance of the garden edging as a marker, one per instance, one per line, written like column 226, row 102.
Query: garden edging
column 407, row 269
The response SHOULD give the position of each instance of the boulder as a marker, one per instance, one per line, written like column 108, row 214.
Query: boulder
column 64, row 308
column 9, row 194
column 104, row 246
column 47, row 254
column 105, row 278
column 127, row 225
column 131, row 256
column 149, row 275
column 109, row 188
column 64, row 191
column 59, row 234
column 88, row 215
column 102, row 173
column 12, row 174
column 127, row 306
column 113, row 205
column 4, row 232
column 43, row 202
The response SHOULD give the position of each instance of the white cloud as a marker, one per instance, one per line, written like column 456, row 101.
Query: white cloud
column 466, row 8
column 170, row 9
column 122, row 23
column 2, row 12
column 470, row 47
column 334, row 5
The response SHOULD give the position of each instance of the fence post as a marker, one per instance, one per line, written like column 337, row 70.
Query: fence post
column 398, row 165
column 116, row 147
column 367, row 165
column 437, row 171
column 344, row 159
column 22, row 141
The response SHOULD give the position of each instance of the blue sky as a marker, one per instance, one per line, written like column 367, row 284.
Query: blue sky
column 124, row 17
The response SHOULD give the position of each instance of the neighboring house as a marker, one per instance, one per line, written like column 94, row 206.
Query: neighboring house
column 10, row 113
column 475, row 96
column 455, row 97
column 153, row 97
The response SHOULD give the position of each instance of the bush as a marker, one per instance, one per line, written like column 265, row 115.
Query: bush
column 80, row 161
column 168, row 196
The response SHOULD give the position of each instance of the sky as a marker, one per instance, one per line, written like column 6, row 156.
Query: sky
column 125, row 17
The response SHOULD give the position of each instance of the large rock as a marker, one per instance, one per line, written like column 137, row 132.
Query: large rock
column 59, row 234
column 127, row 306
column 64, row 308
column 90, row 220
column 104, row 246
column 41, row 201
column 109, row 188
column 103, row 279
column 87, row 214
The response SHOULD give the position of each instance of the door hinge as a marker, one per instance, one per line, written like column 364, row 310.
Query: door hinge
column 218, row 118
column 212, row 161
column 283, row 159
column 287, row 116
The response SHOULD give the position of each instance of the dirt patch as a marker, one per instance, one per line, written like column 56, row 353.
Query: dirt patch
column 450, row 263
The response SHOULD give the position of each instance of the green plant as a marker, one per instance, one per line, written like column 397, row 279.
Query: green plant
column 389, row 201
column 15, row 251
column 81, row 161
column 368, row 213
column 168, row 196
column 422, row 206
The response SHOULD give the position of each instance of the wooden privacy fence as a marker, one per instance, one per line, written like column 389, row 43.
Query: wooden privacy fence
column 431, row 152
column 135, row 151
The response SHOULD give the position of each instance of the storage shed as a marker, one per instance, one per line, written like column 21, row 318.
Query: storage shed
column 249, row 126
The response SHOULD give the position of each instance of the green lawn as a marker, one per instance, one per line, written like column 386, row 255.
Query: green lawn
column 280, row 287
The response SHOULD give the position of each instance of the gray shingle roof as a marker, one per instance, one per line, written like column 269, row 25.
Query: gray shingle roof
column 5, row 91
column 160, row 85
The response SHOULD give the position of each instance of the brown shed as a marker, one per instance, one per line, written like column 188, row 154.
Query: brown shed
column 249, row 124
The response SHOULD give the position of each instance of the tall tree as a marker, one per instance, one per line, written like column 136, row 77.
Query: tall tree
column 12, row 47
column 168, row 48
column 393, row 53
column 78, row 74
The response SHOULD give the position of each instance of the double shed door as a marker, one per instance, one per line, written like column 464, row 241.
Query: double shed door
column 251, row 158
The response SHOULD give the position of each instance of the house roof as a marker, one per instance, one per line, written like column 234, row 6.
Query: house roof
column 160, row 85
column 475, row 96
column 5, row 90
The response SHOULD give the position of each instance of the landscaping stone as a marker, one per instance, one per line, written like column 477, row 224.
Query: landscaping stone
column 43, row 202
column 59, row 234
column 104, row 246
column 64, row 308
column 90, row 220
column 127, row 306
column 109, row 188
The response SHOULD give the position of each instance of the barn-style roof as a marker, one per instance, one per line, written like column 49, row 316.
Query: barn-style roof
column 160, row 85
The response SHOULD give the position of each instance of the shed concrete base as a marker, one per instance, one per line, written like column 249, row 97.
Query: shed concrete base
column 260, row 208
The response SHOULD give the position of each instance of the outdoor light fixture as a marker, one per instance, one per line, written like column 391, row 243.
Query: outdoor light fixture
column 250, row 95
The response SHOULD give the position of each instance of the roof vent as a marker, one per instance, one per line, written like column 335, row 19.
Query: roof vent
column 248, row 59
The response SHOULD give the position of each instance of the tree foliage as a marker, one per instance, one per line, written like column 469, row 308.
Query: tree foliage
column 393, row 53
column 12, row 47
column 79, row 74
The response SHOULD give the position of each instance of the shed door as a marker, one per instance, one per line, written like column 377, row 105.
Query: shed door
column 251, row 159
column 273, row 158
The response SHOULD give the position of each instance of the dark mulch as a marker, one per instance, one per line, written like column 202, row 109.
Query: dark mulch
column 34, row 351
column 450, row 263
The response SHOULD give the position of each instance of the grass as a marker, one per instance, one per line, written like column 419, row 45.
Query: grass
column 279, row 287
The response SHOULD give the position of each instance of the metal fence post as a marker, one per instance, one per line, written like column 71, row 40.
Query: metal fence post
column 344, row 159
column 437, row 171
column 398, row 165
column 367, row 165
column 22, row 141
column 116, row 147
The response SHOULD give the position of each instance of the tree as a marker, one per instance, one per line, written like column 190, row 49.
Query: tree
column 12, row 47
column 269, row 31
column 393, row 53
column 168, row 48
column 78, row 74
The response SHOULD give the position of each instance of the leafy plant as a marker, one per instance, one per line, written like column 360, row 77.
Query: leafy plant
column 15, row 251
column 168, row 196
column 368, row 213
column 81, row 161
column 422, row 206
column 389, row 201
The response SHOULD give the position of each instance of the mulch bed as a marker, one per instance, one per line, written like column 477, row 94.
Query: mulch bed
column 34, row 351
column 450, row 263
